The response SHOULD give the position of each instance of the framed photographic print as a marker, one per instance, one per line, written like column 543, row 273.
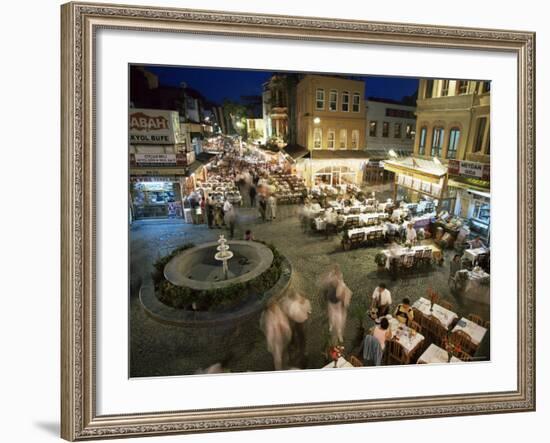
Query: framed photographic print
column 259, row 209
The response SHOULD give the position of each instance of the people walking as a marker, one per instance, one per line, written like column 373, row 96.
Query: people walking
column 252, row 195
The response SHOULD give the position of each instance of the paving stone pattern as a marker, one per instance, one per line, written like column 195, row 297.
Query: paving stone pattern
column 159, row 350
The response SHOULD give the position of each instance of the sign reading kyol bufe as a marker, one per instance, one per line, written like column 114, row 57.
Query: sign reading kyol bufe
column 153, row 126
column 469, row 169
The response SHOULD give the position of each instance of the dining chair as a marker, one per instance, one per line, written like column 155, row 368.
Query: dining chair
column 476, row 319
column 447, row 305
column 464, row 340
column 396, row 353
column 416, row 326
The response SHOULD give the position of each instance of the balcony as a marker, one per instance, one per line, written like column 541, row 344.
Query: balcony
column 455, row 102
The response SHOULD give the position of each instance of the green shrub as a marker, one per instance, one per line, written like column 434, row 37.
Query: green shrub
column 214, row 299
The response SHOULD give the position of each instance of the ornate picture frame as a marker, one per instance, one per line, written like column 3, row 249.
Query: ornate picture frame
column 80, row 22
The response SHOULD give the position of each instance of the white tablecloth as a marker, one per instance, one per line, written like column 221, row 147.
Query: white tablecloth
column 472, row 254
column 367, row 230
column 409, row 340
column 435, row 354
column 341, row 363
column 445, row 316
column 472, row 329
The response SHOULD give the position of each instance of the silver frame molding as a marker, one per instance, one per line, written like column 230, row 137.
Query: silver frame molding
column 80, row 21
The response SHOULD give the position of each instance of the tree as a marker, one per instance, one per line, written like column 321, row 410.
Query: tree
column 236, row 114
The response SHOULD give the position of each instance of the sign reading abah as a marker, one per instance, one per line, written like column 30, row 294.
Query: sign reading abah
column 470, row 169
column 153, row 126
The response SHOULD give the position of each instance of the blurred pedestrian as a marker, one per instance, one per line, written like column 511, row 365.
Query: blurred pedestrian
column 252, row 194
column 276, row 327
column 230, row 220
column 338, row 297
column 297, row 308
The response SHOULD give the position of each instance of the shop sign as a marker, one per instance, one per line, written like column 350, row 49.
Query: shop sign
column 153, row 126
column 470, row 169
column 158, row 160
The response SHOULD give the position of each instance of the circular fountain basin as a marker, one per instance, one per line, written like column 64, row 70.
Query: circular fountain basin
column 197, row 268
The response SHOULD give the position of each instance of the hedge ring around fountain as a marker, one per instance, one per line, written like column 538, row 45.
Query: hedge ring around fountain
column 201, row 268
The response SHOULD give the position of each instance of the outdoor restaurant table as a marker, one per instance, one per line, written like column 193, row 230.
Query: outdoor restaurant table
column 445, row 316
column 367, row 230
column 341, row 363
column 435, row 354
column 475, row 331
column 364, row 218
column 397, row 251
column 409, row 341
column 473, row 254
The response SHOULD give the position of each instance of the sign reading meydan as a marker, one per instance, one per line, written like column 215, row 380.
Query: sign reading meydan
column 469, row 169
column 153, row 126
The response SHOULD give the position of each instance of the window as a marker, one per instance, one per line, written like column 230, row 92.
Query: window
column 461, row 87
column 480, row 133
column 422, row 141
column 485, row 87
column 333, row 100
column 317, row 138
column 356, row 102
column 385, row 129
column 428, row 93
column 345, row 101
column 320, row 99
column 444, row 88
column 331, row 139
column 454, row 137
column 437, row 142
column 343, row 139
column 482, row 211
column 397, row 130
column 251, row 125
column 409, row 131
column 488, row 148
column 355, row 139
column 372, row 128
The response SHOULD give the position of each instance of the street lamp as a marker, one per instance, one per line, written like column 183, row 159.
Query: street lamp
column 316, row 120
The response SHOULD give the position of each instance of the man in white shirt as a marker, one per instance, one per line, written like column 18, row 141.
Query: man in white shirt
column 411, row 234
column 227, row 206
column 381, row 300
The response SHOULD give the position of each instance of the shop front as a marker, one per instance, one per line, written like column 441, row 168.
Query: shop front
column 155, row 197
column 471, row 183
column 417, row 180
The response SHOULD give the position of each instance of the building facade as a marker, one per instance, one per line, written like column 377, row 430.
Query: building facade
column 330, row 115
column 390, row 126
column 453, row 125
column 452, row 120
column 275, row 100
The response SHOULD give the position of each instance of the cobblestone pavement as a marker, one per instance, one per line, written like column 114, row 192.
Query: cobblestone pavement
column 159, row 349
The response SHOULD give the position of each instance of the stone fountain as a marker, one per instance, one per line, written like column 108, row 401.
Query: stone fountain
column 223, row 255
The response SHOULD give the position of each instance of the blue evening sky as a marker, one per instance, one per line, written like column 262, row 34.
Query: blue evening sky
column 216, row 84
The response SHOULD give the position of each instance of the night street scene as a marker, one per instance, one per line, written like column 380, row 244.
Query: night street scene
column 294, row 220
